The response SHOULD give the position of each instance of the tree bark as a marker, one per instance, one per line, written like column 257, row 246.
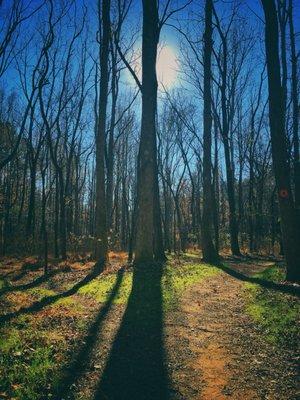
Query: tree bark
column 208, row 248
column 101, row 245
column 295, row 102
column 30, row 223
column 147, row 214
column 289, row 228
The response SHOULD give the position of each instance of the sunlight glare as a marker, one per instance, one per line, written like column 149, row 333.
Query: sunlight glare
column 166, row 67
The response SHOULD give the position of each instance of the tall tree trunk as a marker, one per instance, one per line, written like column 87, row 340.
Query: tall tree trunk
column 56, row 216
column 182, row 241
column 62, row 219
column 294, row 63
column 216, row 191
column 273, row 221
column 30, row 223
column 76, row 221
column 251, row 196
column 228, row 147
column 44, row 223
column 159, row 251
column 101, row 245
column 233, row 226
column 22, row 202
column 6, row 218
column 282, row 14
column 208, row 248
column 168, row 212
column 110, row 147
column 147, row 160
column 289, row 228
column 124, row 216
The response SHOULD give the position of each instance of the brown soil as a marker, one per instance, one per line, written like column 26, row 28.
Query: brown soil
column 222, row 352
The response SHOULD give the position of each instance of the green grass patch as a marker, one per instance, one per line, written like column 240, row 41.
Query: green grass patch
column 100, row 288
column 177, row 278
column 41, row 292
column 27, row 361
column 70, row 304
column 191, row 255
column 276, row 312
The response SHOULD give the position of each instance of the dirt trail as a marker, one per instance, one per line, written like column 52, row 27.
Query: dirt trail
column 221, row 351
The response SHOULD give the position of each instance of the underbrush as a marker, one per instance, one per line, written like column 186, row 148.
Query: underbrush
column 28, row 360
column 276, row 312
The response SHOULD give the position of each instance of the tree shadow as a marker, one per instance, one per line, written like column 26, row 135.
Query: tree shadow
column 136, row 368
column 46, row 301
column 280, row 287
column 286, row 288
column 36, row 282
column 19, row 276
column 26, row 267
column 80, row 361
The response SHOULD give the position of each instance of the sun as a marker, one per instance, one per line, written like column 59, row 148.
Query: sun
column 167, row 67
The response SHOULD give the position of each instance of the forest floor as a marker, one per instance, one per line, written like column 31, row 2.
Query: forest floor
column 185, row 331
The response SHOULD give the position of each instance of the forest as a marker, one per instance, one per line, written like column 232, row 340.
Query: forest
column 149, row 199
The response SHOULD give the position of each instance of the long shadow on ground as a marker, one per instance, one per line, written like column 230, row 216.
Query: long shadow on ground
column 46, row 301
column 280, row 287
column 136, row 367
column 81, row 360
column 286, row 288
column 36, row 282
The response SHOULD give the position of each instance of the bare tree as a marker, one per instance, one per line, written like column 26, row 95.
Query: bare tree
column 101, row 244
column 208, row 248
column 290, row 230
column 295, row 102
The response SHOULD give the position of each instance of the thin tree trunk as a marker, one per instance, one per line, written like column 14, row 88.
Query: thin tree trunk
column 30, row 223
column 101, row 245
column 110, row 149
column 208, row 248
column 62, row 219
column 56, row 216
column 216, row 193
column 44, row 224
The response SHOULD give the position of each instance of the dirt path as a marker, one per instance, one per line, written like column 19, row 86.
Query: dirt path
column 213, row 350
column 218, row 353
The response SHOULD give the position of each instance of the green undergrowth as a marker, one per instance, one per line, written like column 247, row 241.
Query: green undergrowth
column 71, row 303
column 27, row 360
column 40, row 292
column 100, row 288
column 276, row 312
column 177, row 278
